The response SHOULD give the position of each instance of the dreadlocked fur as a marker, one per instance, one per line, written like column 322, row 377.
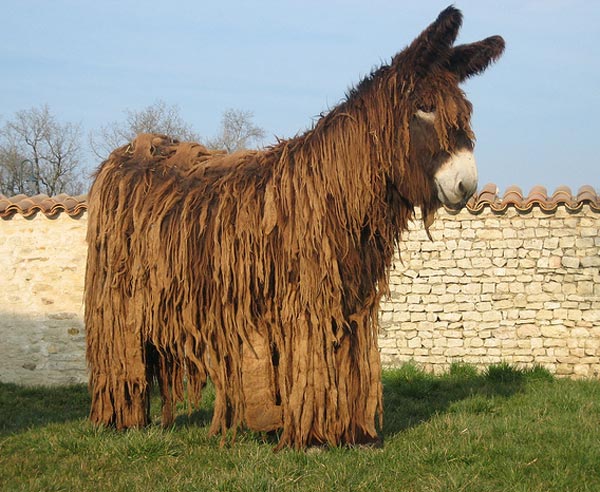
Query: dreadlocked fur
column 263, row 270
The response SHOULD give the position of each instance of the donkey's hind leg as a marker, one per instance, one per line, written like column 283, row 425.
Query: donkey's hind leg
column 165, row 378
column 118, row 385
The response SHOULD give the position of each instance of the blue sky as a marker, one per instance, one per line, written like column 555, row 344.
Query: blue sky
column 536, row 110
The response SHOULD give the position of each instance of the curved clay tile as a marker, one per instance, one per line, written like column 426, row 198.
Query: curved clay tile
column 25, row 205
column 513, row 196
column 488, row 196
column 45, row 204
column 587, row 194
column 4, row 204
column 538, row 196
column 563, row 194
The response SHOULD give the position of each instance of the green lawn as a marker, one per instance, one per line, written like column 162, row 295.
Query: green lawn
column 503, row 429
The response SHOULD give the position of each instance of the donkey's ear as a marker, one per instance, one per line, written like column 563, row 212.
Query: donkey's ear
column 434, row 43
column 471, row 59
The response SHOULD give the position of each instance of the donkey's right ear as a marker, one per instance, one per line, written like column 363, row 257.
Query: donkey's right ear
column 433, row 45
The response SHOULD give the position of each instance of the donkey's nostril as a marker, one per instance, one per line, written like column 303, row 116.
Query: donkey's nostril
column 461, row 187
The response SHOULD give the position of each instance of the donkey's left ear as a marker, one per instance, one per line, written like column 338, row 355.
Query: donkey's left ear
column 471, row 59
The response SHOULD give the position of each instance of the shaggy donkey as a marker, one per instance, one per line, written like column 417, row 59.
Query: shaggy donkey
column 263, row 270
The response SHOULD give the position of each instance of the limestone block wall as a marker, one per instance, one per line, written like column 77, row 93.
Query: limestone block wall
column 522, row 287
column 517, row 287
column 42, row 267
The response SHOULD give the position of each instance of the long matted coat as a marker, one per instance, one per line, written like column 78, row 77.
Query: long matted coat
column 263, row 270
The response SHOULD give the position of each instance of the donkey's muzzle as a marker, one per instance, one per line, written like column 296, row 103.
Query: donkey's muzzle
column 456, row 179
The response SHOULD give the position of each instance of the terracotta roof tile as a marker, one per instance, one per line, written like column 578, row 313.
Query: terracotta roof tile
column 28, row 206
column 488, row 196
column 537, row 197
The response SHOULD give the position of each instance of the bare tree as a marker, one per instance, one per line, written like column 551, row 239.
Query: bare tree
column 39, row 155
column 237, row 131
column 156, row 118
column 16, row 171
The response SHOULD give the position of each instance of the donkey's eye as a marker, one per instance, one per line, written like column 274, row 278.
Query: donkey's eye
column 426, row 108
column 428, row 116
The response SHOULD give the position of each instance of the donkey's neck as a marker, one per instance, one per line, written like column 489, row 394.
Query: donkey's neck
column 338, row 173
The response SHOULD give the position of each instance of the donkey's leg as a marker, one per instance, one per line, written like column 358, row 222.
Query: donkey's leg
column 118, row 381
column 333, row 393
column 165, row 375
column 262, row 405
column 358, row 370
column 133, row 404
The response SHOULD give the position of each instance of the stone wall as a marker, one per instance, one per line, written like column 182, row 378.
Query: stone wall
column 513, row 286
column 42, row 267
column 517, row 287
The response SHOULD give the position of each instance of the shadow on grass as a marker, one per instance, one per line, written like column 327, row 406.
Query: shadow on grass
column 412, row 396
column 23, row 407
column 196, row 418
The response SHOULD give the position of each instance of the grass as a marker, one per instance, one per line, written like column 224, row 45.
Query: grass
column 500, row 429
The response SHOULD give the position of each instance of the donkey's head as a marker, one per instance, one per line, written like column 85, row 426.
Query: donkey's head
column 436, row 115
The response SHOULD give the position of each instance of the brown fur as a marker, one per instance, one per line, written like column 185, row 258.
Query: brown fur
column 263, row 270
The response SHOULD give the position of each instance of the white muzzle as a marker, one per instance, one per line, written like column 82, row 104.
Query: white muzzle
column 456, row 179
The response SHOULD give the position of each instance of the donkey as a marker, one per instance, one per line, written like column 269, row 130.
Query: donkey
column 263, row 270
